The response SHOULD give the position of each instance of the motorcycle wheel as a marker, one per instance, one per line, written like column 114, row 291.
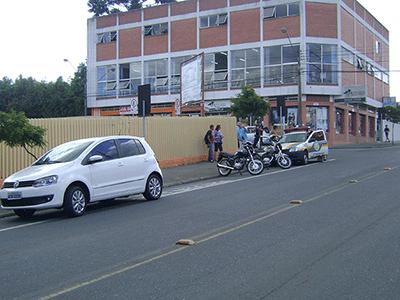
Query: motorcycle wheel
column 284, row 161
column 255, row 167
column 223, row 171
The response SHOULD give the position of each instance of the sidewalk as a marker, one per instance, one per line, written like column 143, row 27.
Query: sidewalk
column 173, row 176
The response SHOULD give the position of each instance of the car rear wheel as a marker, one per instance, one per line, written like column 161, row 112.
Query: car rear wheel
column 75, row 201
column 153, row 187
column 24, row 213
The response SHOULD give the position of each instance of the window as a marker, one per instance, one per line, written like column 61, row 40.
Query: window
column 245, row 68
column 317, row 118
column 385, row 78
column 156, row 29
column 281, row 64
column 130, row 77
column 352, row 123
column 318, row 136
column 348, row 56
column 321, row 64
column 378, row 47
column 216, row 70
column 339, row 121
column 130, row 147
column 377, row 73
column 106, row 149
column 363, row 125
column 106, row 37
column 176, row 72
column 361, row 64
column 106, row 80
column 213, row 20
column 156, row 74
column 281, row 11
column 371, row 124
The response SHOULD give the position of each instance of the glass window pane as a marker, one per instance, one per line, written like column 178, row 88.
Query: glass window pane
column 273, row 75
column 101, row 88
column 213, row 20
column 209, row 63
column 149, row 68
column 221, row 61
column 330, row 74
column 290, row 74
column 124, row 72
column 281, row 11
column 252, row 57
column 237, row 79
column 222, row 19
column 106, row 149
column 162, row 67
column 314, row 73
column 238, row 59
column 269, row 12
column 273, row 55
column 329, row 54
column 136, row 70
column 314, row 53
column 203, row 22
column 164, row 28
column 294, row 9
column 101, row 74
column 156, row 29
column 127, row 147
column 253, row 77
column 111, row 73
column 291, row 54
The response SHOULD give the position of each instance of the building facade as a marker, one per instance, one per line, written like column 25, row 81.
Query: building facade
column 337, row 48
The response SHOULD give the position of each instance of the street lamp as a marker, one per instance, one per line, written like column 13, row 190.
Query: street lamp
column 284, row 30
column 84, row 87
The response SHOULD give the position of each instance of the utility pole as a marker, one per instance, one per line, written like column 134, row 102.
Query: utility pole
column 284, row 30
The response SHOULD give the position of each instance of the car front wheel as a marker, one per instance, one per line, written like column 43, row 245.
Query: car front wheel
column 75, row 201
column 153, row 187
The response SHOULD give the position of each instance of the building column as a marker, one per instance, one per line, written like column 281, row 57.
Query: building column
column 331, row 123
column 346, row 124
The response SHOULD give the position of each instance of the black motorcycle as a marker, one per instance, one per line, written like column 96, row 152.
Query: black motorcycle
column 243, row 158
column 271, row 152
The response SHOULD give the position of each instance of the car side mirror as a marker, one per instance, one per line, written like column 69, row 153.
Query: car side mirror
column 94, row 159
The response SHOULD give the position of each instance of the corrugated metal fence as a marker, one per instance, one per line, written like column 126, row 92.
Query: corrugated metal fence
column 175, row 140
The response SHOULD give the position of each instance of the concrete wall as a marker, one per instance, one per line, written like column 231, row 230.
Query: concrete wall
column 176, row 140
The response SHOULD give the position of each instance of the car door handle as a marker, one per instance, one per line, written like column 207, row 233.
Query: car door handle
column 120, row 164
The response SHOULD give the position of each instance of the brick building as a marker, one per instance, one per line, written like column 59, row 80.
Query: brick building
column 342, row 49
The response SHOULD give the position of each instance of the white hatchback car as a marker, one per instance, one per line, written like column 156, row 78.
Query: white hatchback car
column 76, row 173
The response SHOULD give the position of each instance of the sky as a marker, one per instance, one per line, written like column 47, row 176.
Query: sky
column 39, row 35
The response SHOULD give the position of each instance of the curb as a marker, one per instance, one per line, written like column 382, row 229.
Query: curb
column 360, row 146
column 190, row 180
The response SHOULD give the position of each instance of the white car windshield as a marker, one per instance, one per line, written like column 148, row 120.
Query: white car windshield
column 64, row 153
column 294, row 138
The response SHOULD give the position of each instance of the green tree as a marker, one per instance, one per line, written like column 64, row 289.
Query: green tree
column 249, row 104
column 106, row 7
column 15, row 130
column 392, row 114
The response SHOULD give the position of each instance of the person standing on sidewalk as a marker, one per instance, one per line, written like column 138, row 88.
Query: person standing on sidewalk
column 218, row 136
column 387, row 131
column 209, row 140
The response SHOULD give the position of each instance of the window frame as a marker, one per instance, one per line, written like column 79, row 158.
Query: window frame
column 158, row 29
column 218, row 20
column 272, row 11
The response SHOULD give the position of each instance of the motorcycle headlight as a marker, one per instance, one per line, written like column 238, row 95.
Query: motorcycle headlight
column 46, row 181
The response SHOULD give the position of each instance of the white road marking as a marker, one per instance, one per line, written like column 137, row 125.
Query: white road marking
column 23, row 225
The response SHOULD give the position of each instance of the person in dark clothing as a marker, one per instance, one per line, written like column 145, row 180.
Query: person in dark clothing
column 210, row 143
column 257, row 135
column 387, row 130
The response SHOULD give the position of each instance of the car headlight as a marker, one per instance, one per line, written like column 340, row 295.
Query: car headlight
column 46, row 181
column 295, row 149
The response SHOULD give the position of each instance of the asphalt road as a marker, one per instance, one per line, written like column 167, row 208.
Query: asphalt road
column 343, row 242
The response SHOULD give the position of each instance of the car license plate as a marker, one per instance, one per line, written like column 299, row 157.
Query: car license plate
column 14, row 195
